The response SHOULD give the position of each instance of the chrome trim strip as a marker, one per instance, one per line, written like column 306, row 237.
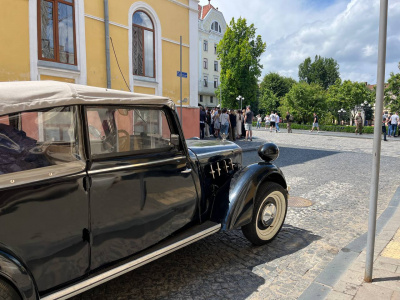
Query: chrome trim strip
column 156, row 162
column 111, row 274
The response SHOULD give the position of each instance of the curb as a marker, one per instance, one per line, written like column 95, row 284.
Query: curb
column 325, row 281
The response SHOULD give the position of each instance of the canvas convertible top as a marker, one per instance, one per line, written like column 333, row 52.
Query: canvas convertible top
column 30, row 95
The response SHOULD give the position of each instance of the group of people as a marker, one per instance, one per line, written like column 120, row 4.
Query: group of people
column 392, row 121
column 231, row 123
column 272, row 121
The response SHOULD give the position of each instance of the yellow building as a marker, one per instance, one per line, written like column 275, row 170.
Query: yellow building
column 66, row 40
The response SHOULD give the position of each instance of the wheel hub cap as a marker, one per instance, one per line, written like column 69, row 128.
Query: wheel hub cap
column 268, row 214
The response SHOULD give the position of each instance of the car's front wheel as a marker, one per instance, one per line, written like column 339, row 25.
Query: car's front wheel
column 269, row 213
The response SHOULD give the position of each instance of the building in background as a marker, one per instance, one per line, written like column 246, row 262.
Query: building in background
column 212, row 28
column 65, row 40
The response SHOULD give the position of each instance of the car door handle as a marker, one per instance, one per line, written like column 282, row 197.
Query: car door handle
column 187, row 171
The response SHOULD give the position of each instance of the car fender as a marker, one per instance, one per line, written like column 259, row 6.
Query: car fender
column 243, row 189
column 14, row 271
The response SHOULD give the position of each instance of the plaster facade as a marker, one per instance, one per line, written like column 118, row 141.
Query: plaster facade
column 212, row 27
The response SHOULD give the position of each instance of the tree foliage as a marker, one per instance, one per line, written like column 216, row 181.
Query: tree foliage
column 392, row 92
column 278, row 84
column 239, row 52
column 347, row 95
column 323, row 71
column 268, row 101
column 303, row 100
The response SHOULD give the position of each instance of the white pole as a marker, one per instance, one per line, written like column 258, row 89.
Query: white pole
column 377, row 141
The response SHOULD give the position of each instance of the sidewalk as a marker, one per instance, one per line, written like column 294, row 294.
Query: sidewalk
column 343, row 278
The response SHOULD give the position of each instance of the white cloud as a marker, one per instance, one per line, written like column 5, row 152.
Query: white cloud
column 342, row 29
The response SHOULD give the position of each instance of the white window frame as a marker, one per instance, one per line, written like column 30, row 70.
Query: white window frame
column 37, row 68
column 141, row 81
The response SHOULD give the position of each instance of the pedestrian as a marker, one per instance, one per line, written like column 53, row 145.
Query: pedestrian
column 277, row 119
column 384, row 118
column 248, row 123
column 359, row 123
column 394, row 122
column 243, row 129
column 272, row 118
column 232, row 128
column 217, row 124
column 267, row 121
column 289, row 120
column 202, row 122
column 389, row 124
column 315, row 123
column 259, row 120
column 224, row 119
column 239, row 121
column 208, row 123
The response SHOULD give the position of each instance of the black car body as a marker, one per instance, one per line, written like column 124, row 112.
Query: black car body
column 95, row 183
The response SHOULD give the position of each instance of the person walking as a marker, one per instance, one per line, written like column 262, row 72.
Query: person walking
column 384, row 118
column 272, row 118
column 259, row 120
column 208, row 123
column 267, row 121
column 232, row 128
column 394, row 122
column 217, row 123
column 243, row 128
column 315, row 123
column 248, row 119
column 224, row 119
column 277, row 120
column 359, row 123
column 289, row 120
column 239, row 121
column 202, row 122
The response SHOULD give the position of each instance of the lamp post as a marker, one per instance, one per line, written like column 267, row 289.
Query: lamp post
column 240, row 98
column 341, row 112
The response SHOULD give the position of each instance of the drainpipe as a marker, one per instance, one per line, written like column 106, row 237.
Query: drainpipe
column 107, row 31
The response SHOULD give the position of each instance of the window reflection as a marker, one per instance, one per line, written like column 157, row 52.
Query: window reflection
column 66, row 34
column 47, row 20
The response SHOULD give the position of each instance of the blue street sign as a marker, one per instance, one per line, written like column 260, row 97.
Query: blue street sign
column 184, row 74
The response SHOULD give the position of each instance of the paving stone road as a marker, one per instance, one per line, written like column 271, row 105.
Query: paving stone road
column 332, row 172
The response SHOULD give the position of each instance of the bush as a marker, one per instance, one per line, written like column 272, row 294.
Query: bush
column 334, row 128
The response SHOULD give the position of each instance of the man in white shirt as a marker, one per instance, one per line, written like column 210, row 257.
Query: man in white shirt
column 272, row 118
column 395, row 121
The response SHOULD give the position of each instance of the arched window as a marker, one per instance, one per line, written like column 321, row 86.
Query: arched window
column 215, row 26
column 143, row 45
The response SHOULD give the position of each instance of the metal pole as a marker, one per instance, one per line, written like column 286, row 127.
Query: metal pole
column 107, row 32
column 377, row 141
column 180, row 77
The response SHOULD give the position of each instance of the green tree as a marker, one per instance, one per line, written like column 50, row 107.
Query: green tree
column 278, row 84
column 268, row 101
column 347, row 95
column 303, row 100
column 392, row 92
column 323, row 71
column 239, row 52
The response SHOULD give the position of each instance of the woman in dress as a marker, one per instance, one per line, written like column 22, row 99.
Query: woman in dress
column 239, row 120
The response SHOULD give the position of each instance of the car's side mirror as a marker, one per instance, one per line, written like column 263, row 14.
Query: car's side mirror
column 175, row 140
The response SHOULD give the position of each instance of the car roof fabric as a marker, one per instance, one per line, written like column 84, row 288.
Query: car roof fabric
column 31, row 95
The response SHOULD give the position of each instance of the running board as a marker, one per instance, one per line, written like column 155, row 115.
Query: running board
column 185, row 238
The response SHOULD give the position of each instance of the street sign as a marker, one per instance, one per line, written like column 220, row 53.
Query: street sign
column 184, row 74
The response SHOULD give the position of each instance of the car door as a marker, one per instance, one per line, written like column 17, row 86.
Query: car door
column 141, row 187
column 44, row 208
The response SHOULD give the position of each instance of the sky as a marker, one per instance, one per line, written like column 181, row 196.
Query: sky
column 345, row 30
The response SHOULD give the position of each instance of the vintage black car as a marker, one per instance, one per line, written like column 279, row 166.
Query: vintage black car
column 96, row 182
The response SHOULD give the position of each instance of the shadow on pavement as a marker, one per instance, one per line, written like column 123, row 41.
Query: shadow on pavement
column 286, row 157
column 221, row 266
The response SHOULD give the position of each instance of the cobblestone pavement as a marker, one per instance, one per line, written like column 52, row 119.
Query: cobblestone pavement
column 333, row 172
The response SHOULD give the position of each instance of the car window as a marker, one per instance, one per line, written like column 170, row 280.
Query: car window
column 38, row 139
column 119, row 130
